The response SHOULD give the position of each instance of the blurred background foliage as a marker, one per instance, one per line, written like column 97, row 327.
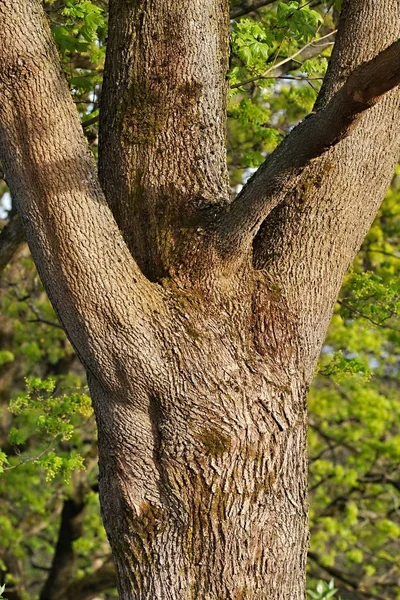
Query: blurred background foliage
column 52, row 543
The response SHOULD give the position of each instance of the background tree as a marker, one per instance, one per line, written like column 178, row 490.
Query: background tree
column 207, row 456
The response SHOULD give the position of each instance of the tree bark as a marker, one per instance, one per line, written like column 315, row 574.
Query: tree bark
column 229, row 445
column 199, row 351
column 162, row 154
column 309, row 240
column 53, row 179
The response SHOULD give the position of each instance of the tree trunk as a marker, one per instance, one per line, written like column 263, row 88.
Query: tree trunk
column 225, row 514
column 200, row 325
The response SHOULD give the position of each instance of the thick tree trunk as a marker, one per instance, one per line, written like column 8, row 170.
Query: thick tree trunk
column 226, row 514
column 198, row 379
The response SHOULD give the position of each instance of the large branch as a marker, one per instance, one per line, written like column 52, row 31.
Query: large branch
column 310, row 238
column 92, row 280
column 314, row 136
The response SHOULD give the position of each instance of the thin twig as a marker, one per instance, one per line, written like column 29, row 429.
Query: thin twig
column 40, row 319
column 89, row 122
column 377, row 251
column 282, row 62
column 357, row 312
column 32, row 458
column 294, row 77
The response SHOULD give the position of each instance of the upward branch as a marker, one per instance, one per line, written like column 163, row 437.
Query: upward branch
column 11, row 238
column 364, row 87
column 162, row 148
column 80, row 254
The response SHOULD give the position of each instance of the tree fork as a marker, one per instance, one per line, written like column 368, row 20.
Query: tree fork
column 309, row 240
column 52, row 176
column 239, row 223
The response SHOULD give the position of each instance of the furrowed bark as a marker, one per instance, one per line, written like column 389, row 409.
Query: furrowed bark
column 231, row 457
column 308, row 242
column 162, row 152
column 229, row 504
column 199, row 391
column 229, row 440
column 109, row 310
column 70, row 230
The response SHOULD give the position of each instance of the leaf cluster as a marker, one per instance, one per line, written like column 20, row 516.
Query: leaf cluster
column 274, row 78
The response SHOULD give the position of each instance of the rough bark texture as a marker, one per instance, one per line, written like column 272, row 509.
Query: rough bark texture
column 53, row 179
column 331, row 208
column 163, row 110
column 199, row 379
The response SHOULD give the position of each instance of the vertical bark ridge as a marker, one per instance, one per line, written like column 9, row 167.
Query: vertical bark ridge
column 200, row 405
column 203, row 479
column 162, row 130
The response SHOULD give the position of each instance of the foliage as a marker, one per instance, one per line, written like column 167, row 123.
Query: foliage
column 80, row 31
column 354, row 420
column 276, row 72
column 323, row 591
column 42, row 412
column 47, row 436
